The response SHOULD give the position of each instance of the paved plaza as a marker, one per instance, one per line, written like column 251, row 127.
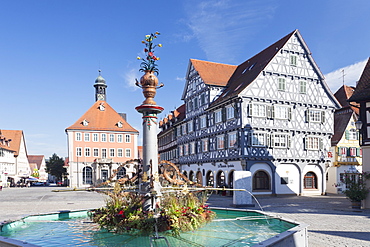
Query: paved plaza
column 331, row 220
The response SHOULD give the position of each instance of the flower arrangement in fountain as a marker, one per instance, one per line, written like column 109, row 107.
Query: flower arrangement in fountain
column 178, row 212
column 148, row 63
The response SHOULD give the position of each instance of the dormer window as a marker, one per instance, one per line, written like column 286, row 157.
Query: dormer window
column 85, row 122
column 119, row 124
column 102, row 107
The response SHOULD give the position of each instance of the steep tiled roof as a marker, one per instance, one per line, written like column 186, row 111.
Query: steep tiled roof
column 216, row 74
column 362, row 92
column 248, row 71
column 105, row 120
column 35, row 159
column 16, row 137
column 341, row 121
column 176, row 115
column 343, row 94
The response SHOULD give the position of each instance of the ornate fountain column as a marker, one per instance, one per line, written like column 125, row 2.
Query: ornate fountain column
column 149, row 181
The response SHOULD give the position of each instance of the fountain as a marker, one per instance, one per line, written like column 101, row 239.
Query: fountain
column 158, row 206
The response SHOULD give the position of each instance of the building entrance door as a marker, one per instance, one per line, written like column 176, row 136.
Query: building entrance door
column 104, row 175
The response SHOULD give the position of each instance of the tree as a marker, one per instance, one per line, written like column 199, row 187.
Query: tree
column 54, row 166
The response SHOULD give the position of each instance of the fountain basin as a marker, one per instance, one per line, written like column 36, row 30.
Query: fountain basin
column 231, row 227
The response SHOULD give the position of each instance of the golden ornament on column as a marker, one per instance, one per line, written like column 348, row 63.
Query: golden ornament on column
column 149, row 83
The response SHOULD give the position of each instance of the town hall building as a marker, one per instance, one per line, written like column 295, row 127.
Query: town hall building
column 272, row 115
column 99, row 142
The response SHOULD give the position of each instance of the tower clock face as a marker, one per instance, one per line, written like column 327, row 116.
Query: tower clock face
column 100, row 96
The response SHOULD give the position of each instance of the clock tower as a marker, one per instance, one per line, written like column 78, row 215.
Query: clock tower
column 100, row 86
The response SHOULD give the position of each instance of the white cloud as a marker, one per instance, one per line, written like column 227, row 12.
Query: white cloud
column 130, row 78
column 180, row 79
column 352, row 74
column 223, row 27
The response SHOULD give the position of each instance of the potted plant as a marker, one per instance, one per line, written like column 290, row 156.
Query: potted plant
column 356, row 189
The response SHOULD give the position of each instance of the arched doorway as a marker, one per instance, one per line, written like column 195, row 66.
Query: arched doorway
column 121, row 173
column 261, row 181
column 199, row 178
column 87, row 175
column 191, row 176
column 310, row 181
column 210, row 179
column 220, row 179
column 185, row 173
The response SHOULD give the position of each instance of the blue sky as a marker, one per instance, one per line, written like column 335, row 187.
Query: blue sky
column 50, row 51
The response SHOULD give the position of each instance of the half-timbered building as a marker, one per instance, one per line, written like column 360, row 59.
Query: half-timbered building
column 272, row 115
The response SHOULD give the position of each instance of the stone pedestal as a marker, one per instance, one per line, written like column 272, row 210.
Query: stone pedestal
column 243, row 180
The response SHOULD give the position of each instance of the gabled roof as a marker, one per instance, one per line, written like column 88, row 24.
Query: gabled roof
column 343, row 94
column 176, row 115
column 104, row 120
column 248, row 71
column 362, row 92
column 35, row 159
column 213, row 74
column 16, row 137
column 341, row 121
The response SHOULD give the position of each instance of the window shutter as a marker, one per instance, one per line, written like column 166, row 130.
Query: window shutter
column 289, row 113
column 250, row 139
column 348, row 151
column 321, row 144
column 289, row 141
column 226, row 141
column 207, row 119
column 307, row 114
column 270, row 110
column 322, row 117
column 223, row 112
column 347, row 135
column 250, row 106
column 272, row 141
column 236, row 110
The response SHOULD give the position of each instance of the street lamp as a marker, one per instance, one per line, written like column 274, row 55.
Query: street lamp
column 358, row 125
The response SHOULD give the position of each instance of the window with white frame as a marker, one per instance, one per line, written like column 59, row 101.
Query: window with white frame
column 192, row 147
column 202, row 99
column 96, row 152
column 181, row 153
column 183, row 127
column 127, row 138
column 232, row 139
column 302, row 87
column 218, row 116
column 352, row 151
column 281, row 84
column 186, row 149
column 190, row 126
column 203, row 122
column 78, row 152
column 78, row 136
column 87, row 152
column 258, row 139
column 119, row 138
column 111, row 137
column 205, row 145
column 280, row 140
column 111, row 152
column 258, row 110
column 293, row 60
column 95, row 137
column 119, row 152
column 282, row 112
column 128, row 152
column 87, row 137
column 103, row 153
column 230, row 112
column 316, row 116
column 103, row 137
column 220, row 142
column 351, row 134
column 313, row 143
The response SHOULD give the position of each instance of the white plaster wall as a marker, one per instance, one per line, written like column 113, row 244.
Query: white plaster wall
column 333, row 180
column 366, row 168
column 290, row 171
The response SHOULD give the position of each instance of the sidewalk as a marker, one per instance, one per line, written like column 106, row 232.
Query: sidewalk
column 331, row 220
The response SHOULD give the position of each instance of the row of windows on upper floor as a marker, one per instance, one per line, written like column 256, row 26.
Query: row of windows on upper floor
column 103, row 153
column 259, row 110
column 103, row 137
column 196, row 102
column 349, row 151
column 255, row 139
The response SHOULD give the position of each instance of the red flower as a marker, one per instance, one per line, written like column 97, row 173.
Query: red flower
column 121, row 212
column 150, row 54
column 145, row 50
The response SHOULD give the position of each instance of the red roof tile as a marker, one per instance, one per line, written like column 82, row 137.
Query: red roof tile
column 105, row 120
column 16, row 137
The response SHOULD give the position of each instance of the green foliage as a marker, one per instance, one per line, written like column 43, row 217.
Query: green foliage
column 54, row 166
column 356, row 189
column 178, row 213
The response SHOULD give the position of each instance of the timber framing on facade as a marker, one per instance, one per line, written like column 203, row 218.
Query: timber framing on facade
column 271, row 115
